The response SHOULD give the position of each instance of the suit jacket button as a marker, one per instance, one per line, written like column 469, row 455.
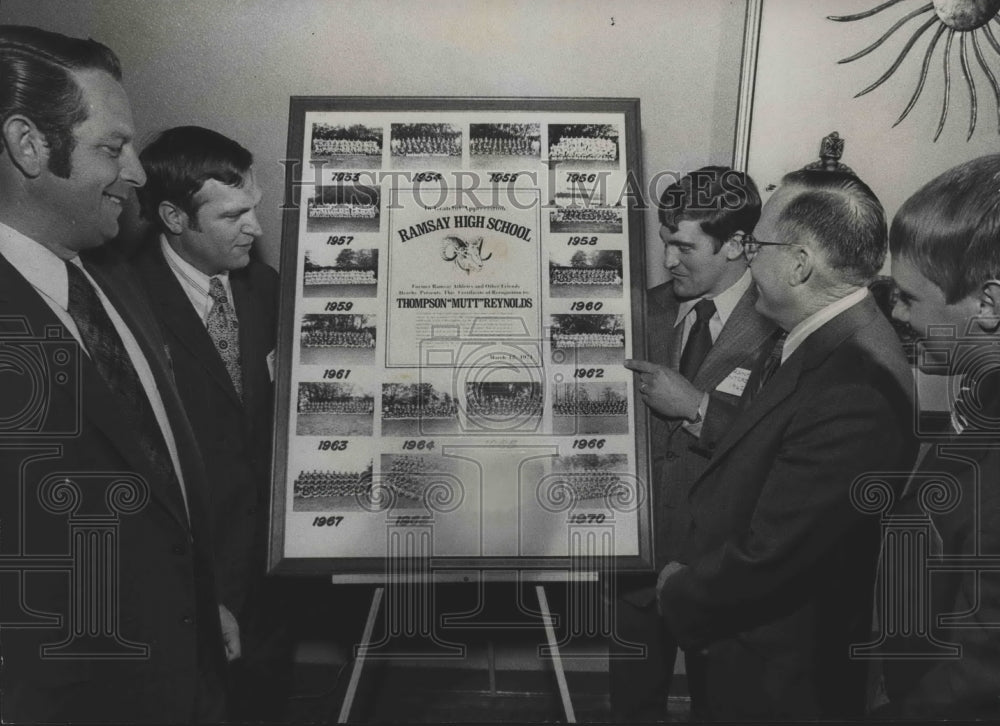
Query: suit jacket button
column 187, row 620
column 177, row 549
column 670, row 455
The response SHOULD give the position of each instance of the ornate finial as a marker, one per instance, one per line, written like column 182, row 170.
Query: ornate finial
column 831, row 148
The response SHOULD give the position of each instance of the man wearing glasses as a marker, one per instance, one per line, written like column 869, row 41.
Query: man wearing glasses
column 705, row 330
column 775, row 583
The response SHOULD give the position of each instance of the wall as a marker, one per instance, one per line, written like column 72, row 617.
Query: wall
column 232, row 65
column 802, row 94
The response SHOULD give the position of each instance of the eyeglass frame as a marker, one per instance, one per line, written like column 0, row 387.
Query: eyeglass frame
column 749, row 241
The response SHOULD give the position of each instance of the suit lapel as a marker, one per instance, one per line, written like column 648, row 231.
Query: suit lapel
column 663, row 314
column 813, row 351
column 97, row 403
column 139, row 320
column 179, row 316
column 676, row 338
column 246, row 304
column 743, row 334
column 780, row 387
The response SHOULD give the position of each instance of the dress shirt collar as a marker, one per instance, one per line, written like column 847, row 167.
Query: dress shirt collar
column 798, row 334
column 186, row 271
column 38, row 264
column 194, row 282
column 725, row 302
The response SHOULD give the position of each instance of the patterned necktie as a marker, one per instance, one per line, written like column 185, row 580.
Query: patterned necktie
column 224, row 329
column 764, row 373
column 699, row 340
column 114, row 365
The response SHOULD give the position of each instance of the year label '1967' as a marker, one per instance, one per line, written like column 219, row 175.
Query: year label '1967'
column 331, row 521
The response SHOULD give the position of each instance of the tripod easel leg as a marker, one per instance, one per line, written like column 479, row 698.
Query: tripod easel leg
column 359, row 659
column 550, row 634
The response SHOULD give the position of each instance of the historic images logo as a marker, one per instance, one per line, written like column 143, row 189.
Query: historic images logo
column 467, row 255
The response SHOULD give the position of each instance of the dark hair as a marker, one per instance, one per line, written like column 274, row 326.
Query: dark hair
column 36, row 81
column 180, row 160
column 950, row 229
column 842, row 214
column 721, row 199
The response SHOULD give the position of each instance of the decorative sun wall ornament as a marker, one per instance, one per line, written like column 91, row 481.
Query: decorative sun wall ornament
column 969, row 19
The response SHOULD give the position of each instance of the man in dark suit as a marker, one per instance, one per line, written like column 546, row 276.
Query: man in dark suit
column 775, row 582
column 108, row 608
column 702, row 323
column 945, row 243
column 218, row 309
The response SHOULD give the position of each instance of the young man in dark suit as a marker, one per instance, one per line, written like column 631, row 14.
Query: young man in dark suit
column 775, row 580
column 118, row 621
column 945, row 243
column 217, row 308
column 702, row 324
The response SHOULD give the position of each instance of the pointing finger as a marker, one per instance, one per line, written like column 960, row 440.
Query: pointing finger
column 640, row 366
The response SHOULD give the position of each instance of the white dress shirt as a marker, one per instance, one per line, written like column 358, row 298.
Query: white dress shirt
column 194, row 282
column 47, row 274
column 725, row 302
column 798, row 334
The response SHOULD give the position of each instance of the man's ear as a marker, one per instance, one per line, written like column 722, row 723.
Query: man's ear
column 802, row 264
column 28, row 149
column 989, row 307
column 173, row 217
column 732, row 247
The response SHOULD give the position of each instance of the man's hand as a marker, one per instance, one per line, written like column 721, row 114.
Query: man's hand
column 230, row 633
column 666, row 391
column 670, row 569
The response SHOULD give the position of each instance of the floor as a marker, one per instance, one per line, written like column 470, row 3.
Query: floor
column 414, row 695
column 519, row 687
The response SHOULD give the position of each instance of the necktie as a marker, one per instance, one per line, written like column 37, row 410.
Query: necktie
column 112, row 361
column 699, row 339
column 224, row 329
column 760, row 376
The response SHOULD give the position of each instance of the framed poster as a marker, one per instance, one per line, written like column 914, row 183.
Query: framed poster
column 460, row 289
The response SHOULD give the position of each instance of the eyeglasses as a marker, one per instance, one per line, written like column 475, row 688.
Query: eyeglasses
column 752, row 245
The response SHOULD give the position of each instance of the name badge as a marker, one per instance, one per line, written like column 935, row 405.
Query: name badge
column 735, row 382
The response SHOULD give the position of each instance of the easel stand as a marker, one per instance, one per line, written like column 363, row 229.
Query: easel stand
column 366, row 648
column 359, row 659
column 550, row 634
